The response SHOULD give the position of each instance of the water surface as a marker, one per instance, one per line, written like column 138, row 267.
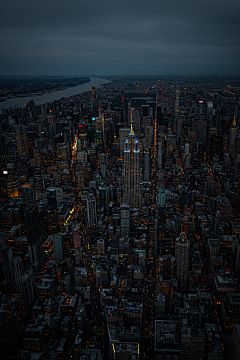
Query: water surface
column 55, row 95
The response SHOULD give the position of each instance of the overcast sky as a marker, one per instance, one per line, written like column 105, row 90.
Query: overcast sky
column 103, row 37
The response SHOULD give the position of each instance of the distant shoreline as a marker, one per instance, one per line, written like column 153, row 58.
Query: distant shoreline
column 54, row 95
column 56, row 86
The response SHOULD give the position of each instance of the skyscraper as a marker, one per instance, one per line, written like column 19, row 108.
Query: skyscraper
column 125, row 219
column 28, row 288
column 52, row 198
column 28, row 195
column 34, row 227
column 91, row 210
column 209, row 110
column 12, row 181
column 7, row 263
column 160, row 155
column 58, row 246
column 22, row 141
column 32, row 223
column 180, row 119
column 17, row 273
column 161, row 196
column 77, row 243
column 146, row 164
column 182, row 246
column 38, row 157
column 132, row 195
column 148, row 136
column 101, row 246
column 102, row 158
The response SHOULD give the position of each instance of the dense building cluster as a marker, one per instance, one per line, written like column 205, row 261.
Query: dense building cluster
column 119, row 215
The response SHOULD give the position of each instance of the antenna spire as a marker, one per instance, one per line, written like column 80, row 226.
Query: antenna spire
column 131, row 131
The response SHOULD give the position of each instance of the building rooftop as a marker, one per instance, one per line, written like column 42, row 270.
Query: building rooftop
column 166, row 335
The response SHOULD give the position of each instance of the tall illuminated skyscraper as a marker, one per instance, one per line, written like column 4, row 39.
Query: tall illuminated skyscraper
column 132, row 194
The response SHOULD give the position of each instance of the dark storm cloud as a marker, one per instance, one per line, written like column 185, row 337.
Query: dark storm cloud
column 120, row 37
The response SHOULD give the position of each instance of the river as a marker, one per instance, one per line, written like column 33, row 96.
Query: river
column 55, row 95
